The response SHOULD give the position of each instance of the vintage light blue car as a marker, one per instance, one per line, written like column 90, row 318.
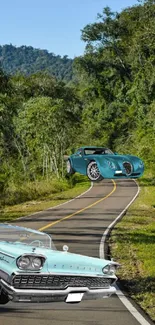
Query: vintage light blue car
column 32, row 270
column 99, row 162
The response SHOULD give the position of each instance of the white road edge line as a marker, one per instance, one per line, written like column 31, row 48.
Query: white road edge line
column 56, row 206
column 119, row 293
column 131, row 308
column 111, row 226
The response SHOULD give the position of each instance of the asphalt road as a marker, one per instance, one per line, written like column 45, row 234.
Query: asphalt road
column 80, row 224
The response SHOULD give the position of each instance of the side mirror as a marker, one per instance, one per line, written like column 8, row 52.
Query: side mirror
column 78, row 154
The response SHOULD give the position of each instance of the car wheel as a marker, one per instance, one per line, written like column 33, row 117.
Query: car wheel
column 70, row 169
column 93, row 172
column 4, row 299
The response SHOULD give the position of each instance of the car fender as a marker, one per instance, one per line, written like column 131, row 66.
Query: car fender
column 71, row 160
column 101, row 164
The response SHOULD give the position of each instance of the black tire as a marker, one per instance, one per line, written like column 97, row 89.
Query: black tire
column 4, row 299
column 70, row 170
column 93, row 172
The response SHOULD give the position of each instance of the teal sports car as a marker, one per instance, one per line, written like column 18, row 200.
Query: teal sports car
column 99, row 162
column 32, row 270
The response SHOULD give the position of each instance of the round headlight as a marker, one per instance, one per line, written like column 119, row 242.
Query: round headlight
column 36, row 263
column 110, row 268
column 23, row 262
column 106, row 269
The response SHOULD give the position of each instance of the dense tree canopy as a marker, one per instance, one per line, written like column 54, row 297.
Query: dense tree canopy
column 119, row 67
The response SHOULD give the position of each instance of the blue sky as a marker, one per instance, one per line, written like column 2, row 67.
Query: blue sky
column 51, row 24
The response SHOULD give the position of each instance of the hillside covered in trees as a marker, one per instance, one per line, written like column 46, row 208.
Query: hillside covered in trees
column 28, row 60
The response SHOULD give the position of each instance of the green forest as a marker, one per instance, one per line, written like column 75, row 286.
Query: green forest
column 28, row 60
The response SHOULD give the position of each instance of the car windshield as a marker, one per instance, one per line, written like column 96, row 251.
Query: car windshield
column 98, row 151
column 26, row 236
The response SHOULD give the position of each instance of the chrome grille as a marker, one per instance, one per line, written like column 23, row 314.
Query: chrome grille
column 128, row 167
column 59, row 281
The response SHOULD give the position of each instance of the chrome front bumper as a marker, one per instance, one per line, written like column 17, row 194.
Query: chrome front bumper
column 37, row 295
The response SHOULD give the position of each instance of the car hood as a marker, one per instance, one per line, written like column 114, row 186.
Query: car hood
column 124, row 158
column 75, row 263
column 115, row 158
column 56, row 261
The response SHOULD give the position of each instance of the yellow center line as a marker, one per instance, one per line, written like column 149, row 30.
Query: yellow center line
column 79, row 211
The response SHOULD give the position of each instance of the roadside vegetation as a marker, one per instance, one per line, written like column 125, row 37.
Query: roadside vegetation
column 110, row 102
column 41, row 196
column 132, row 244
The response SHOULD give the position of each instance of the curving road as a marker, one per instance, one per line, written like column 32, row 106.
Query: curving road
column 80, row 224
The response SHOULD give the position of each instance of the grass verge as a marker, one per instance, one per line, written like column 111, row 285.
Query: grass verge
column 49, row 195
column 132, row 244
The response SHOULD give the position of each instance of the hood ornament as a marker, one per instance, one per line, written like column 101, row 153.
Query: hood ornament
column 65, row 248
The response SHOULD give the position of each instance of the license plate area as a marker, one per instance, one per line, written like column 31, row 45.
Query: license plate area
column 74, row 297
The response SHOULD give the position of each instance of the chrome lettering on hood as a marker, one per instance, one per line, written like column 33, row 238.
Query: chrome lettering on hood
column 4, row 259
column 7, row 258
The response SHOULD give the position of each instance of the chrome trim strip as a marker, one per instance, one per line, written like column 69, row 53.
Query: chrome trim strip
column 9, row 255
column 111, row 276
